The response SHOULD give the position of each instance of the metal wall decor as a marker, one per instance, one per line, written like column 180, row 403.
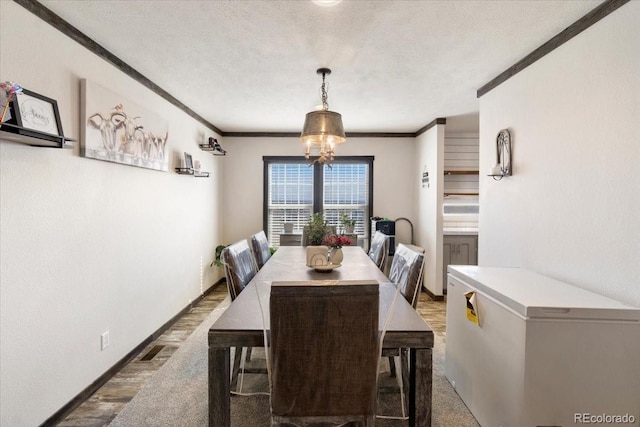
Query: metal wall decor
column 503, row 156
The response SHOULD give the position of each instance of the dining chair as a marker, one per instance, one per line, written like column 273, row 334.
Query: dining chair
column 324, row 352
column 406, row 274
column 260, row 248
column 379, row 249
column 239, row 269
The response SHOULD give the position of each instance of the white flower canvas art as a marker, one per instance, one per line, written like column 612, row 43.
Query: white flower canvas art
column 115, row 129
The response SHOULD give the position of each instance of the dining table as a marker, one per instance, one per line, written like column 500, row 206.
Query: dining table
column 244, row 322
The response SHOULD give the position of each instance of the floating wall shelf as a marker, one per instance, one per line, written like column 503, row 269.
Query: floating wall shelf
column 212, row 150
column 13, row 133
column 188, row 171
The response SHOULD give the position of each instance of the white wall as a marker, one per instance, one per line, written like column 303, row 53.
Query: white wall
column 570, row 210
column 89, row 246
column 430, row 158
column 394, row 179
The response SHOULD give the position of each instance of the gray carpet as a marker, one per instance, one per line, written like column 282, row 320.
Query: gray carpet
column 177, row 394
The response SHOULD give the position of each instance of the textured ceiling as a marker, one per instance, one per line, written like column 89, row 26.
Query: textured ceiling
column 250, row 66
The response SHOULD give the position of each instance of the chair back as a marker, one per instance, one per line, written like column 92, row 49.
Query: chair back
column 379, row 249
column 260, row 247
column 324, row 351
column 239, row 267
column 406, row 272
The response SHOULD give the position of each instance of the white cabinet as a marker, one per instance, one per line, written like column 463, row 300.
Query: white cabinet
column 459, row 250
column 544, row 350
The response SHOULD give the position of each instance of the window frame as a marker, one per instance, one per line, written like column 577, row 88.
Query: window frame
column 318, row 182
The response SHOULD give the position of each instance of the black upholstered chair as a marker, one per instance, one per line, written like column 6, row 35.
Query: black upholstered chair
column 324, row 353
column 260, row 248
column 379, row 249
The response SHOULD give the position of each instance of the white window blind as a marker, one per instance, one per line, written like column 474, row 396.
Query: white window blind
column 290, row 197
column 294, row 190
column 346, row 190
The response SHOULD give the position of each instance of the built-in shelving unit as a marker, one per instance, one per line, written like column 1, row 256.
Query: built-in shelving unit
column 456, row 172
column 461, row 172
column 192, row 172
column 13, row 133
column 461, row 165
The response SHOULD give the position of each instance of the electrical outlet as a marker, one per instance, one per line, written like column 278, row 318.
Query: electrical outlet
column 104, row 340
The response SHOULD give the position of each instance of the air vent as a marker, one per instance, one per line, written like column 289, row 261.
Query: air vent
column 152, row 353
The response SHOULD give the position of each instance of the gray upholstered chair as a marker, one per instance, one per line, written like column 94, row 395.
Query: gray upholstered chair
column 379, row 249
column 325, row 349
column 260, row 248
column 239, row 269
column 406, row 273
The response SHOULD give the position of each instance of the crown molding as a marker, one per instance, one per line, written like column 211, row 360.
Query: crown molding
column 72, row 32
column 78, row 36
column 438, row 121
column 564, row 36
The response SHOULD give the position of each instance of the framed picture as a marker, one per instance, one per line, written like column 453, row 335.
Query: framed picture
column 188, row 161
column 115, row 129
column 37, row 115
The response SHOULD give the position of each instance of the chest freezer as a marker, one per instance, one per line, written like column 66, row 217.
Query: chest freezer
column 543, row 352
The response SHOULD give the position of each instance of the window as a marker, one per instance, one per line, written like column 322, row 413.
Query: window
column 293, row 190
column 289, row 197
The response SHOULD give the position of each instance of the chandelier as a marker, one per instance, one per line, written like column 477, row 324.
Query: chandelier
column 322, row 129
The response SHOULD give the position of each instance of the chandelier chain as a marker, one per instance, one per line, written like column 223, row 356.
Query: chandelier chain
column 325, row 105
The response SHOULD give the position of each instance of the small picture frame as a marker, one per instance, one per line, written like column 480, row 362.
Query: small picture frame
column 36, row 115
column 188, row 161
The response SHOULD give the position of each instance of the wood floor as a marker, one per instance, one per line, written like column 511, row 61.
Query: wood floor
column 105, row 404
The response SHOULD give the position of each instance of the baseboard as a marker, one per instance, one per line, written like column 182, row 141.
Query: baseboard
column 63, row 412
column 433, row 296
column 185, row 310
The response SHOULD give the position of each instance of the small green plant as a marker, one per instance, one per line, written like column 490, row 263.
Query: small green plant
column 217, row 261
column 347, row 222
column 317, row 229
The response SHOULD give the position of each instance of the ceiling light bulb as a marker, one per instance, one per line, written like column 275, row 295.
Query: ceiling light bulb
column 326, row 3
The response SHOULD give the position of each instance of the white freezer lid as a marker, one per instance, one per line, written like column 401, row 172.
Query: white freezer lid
column 535, row 296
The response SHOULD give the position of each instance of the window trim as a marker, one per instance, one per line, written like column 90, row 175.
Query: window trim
column 317, row 178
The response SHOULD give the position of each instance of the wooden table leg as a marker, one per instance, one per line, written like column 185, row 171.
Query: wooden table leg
column 219, row 388
column 420, row 385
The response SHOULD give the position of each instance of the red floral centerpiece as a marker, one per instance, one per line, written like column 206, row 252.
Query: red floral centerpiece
column 336, row 242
